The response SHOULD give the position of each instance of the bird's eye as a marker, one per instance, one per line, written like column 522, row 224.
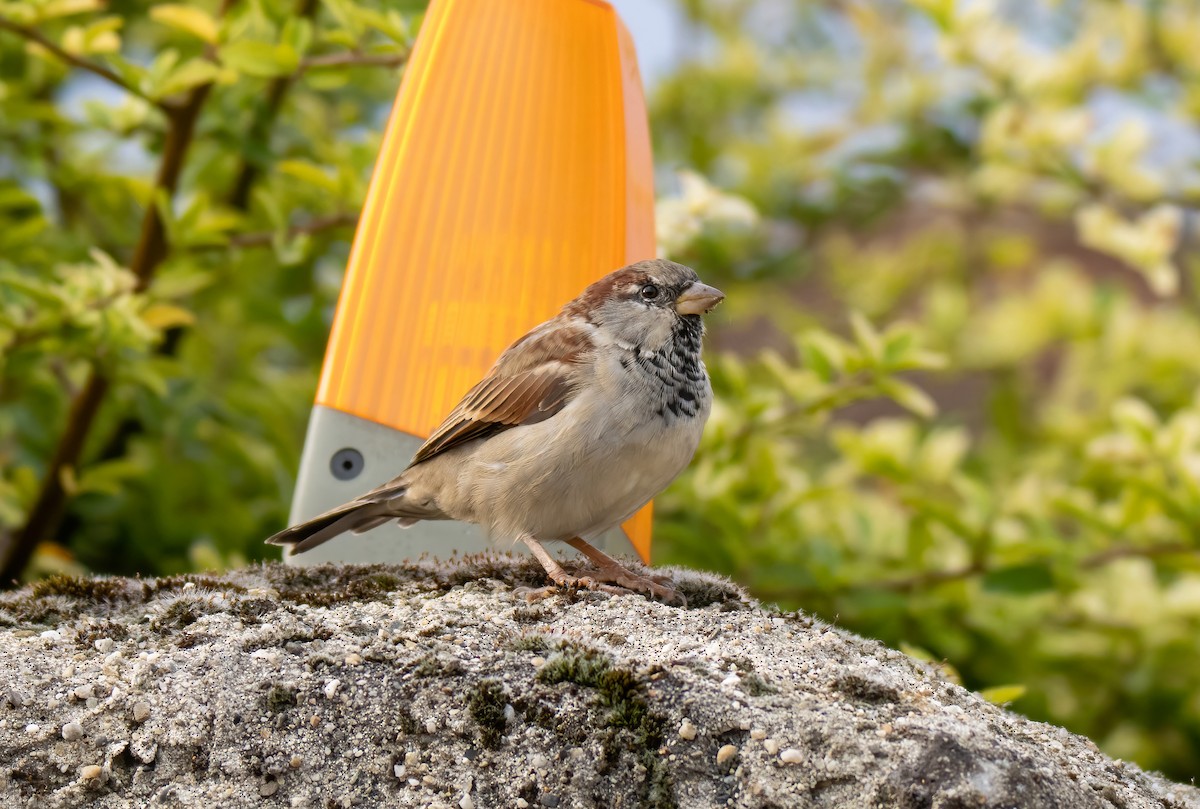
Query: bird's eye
column 650, row 292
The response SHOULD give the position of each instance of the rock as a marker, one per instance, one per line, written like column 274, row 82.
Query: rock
column 414, row 686
column 72, row 731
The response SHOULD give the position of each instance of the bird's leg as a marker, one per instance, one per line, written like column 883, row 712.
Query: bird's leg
column 553, row 569
column 611, row 571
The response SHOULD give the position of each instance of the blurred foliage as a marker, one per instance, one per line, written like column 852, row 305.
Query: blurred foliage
column 958, row 402
column 212, row 356
column 1004, row 472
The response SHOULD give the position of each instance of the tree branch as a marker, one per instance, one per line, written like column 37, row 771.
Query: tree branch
column 1101, row 558
column 35, row 36
column 315, row 225
column 260, row 128
column 47, row 513
column 351, row 58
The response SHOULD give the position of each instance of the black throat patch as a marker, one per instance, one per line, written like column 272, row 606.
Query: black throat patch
column 680, row 390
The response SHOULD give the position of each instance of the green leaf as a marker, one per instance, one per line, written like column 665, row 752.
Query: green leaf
column 297, row 34
column 1032, row 577
column 909, row 396
column 896, row 347
column 1003, row 694
column 867, row 337
column 260, row 59
column 823, row 353
column 167, row 315
column 180, row 283
column 191, row 19
column 187, row 76
column 109, row 477
column 309, row 173
column 67, row 8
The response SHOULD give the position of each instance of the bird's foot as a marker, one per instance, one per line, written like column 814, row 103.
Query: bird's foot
column 610, row 571
column 655, row 587
column 561, row 578
column 564, row 581
column 610, row 576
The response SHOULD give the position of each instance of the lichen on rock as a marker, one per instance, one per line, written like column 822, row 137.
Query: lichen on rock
column 437, row 684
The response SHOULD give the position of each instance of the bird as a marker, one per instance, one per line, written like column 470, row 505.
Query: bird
column 577, row 426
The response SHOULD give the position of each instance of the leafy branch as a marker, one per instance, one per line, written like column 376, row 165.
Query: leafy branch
column 36, row 37
column 315, row 225
column 351, row 59
column 148, row 254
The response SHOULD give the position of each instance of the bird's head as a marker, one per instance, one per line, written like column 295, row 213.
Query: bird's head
column 646, row 304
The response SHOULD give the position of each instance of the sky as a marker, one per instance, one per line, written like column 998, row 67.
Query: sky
column 656, row 29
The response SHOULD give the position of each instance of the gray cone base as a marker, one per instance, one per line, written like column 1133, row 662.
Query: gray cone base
column 386, row 452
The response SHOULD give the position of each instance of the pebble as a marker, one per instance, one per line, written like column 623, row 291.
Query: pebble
column 72, row 731
column 726, row 753
column 268, row 788
column 296, row 762
column 465, row 802
column 331, row 688
column 90, row 771
column 141, row 711
column 539, row 762
column 687, row 730
column 353, row 660
column 791, row 756
column 522, row 803
column 771, row 746
column 104, row 645
column 758, row 734
column 32, row 727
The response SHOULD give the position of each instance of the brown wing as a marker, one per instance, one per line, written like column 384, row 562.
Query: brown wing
column 532, row 380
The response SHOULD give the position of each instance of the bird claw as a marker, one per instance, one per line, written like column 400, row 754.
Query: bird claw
column 654, row 587
column 612, row 581
column 562, row 581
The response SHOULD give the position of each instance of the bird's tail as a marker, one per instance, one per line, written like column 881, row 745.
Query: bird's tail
column 357, row 516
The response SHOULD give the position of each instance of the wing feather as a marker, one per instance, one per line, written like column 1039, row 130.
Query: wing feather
column 532, row 380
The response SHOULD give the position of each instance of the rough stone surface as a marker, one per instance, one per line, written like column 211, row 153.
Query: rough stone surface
column 439, row 685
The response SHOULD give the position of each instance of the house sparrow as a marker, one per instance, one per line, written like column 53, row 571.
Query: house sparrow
column 577, row 426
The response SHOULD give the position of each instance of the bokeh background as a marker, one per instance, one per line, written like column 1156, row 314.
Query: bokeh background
column 957, row 372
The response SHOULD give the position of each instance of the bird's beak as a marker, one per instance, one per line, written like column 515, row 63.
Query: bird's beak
column 698, row 299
